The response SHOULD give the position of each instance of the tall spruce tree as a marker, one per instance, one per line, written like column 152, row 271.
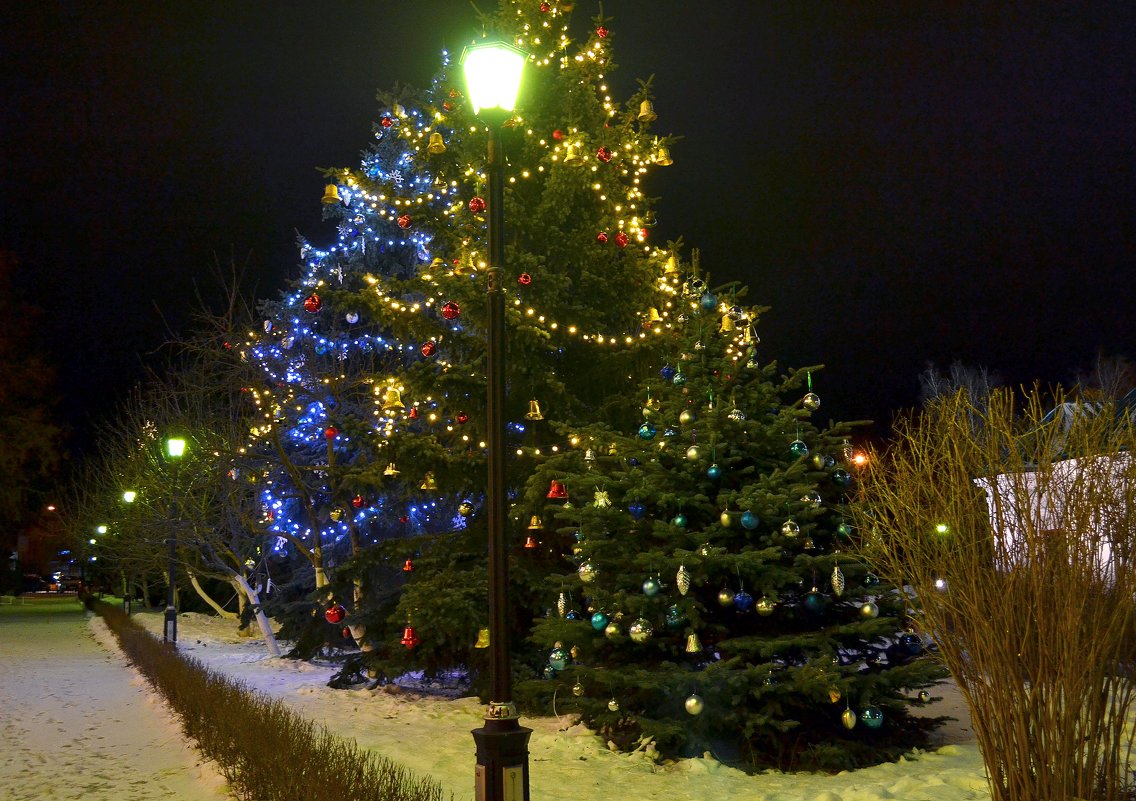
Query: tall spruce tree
column 704, row 599
column 372, row 385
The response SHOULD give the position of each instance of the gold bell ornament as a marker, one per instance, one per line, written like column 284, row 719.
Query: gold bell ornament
column 693, row 644
column 534, row 412
column 436, row 145
column 482, row 639
column 428, row 483
column 437, row 263
column 331, row 195
column 535, row 524
column 557, row 491
column 530, row 542
column 647, row 112
column 572, row 156
column 392, row 400
column 727, row 326
column 391, row 470
column 653, row 317
column 663, row 156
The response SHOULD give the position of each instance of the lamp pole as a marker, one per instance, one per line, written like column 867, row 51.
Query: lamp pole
column 175, row 449
column 493, row 72
column 128, row 497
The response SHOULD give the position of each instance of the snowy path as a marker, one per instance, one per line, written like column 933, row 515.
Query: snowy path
column 76, row 722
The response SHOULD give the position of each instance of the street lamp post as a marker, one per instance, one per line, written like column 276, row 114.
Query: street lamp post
column 493, row 77
column 128, row 497
column 175, row 449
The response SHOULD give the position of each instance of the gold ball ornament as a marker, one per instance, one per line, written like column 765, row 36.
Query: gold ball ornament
column 725, row 597
column 687, row 417
column 694, row 704
column 765, row 606
column 869, row 610
column 848, row 718
column 613, row 705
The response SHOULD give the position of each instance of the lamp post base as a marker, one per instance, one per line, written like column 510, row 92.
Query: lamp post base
column 170, row 631
column 502, row 772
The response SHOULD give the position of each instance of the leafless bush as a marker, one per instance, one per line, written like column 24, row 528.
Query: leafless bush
column 1016, row 538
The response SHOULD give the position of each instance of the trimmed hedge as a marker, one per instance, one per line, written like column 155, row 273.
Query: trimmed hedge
column 266, row 751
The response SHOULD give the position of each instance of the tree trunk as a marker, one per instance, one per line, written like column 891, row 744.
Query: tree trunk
column 205, row 597
column 258, row 613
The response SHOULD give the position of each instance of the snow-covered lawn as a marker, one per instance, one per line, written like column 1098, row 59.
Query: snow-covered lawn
column 77, row 723
column 431, row 735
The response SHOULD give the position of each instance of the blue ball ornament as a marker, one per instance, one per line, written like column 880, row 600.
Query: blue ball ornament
column 743, row 601
column 815, row 602
column 708, row 301
column 637, row 510
column 872, row 717
column 911, row 643
column 647, row 431
column 599, row 621
column 572, row 615
column 633, row 462
column 679, row 520
column 713, row 472
column 798, row 448
column 750, row 521
column 549, row 672
column 668, row 372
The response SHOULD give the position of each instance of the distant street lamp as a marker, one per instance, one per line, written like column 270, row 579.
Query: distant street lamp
column 175, row 449
column 493, row 78
column 128, row 496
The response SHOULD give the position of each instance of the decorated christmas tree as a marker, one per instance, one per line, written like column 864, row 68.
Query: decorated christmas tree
column 372, row 365
column 705, row 601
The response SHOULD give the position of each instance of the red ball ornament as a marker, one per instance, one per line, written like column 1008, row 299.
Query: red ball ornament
column 227, row 345
column 643, row 232
column 312, row 303
column 601, row 237
column 558, row 134
column 413, row 415
column 447, row 106
column 463, row 418
column 601, row 32
column 386, row 122
column 603, row 154
column 545, row 8
column 404, row 221
column 335, row 613
column 331, row 432
column 429, row 348
column 346, row 633
column 358, row 501
column 524, row 279
column 404, row 519
column 451, row 310
column 621, row 239
column 477, row 204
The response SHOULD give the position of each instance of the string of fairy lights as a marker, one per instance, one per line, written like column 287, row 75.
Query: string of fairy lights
column 382, row 207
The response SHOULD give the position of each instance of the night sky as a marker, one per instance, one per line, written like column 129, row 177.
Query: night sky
column 901, row 182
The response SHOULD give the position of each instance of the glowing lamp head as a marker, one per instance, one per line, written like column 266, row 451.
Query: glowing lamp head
column 493, row 76
column 129, row 495
column 175, row 447
column 100, row 530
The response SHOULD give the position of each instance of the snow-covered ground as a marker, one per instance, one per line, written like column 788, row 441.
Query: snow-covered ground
column 430, row 735
column 77, row 723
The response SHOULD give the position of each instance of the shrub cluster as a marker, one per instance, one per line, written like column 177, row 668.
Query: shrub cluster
column 266, row 751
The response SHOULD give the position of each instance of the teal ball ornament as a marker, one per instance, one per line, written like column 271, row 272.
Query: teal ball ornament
column 871, row 580
column 815, row 602
column 647, row 431
column 558, row 659
column 549, row 672
column 750, row 521
column 599, row 621
column 679, row 520
column 872, row 717
column 708, row 301
column 675, row 617
column 844, row 529
column 694, row 705
column 679, row 379
column 841, row 477
column 713, row 472
column 652, row 587
column 798, row 448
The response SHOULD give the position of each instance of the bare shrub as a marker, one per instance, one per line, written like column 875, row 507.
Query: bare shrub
column 1015, row 537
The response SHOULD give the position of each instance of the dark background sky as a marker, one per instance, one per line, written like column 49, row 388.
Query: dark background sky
column 901, row 182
